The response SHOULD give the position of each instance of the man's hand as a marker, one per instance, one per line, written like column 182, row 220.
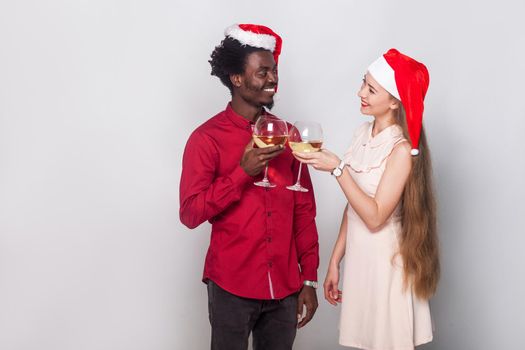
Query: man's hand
column 254, row 160
column 307, row 298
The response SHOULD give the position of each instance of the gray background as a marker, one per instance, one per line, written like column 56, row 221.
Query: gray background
column 97, row 99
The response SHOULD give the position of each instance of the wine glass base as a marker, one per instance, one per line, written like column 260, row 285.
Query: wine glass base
column 263, row 183
column 297, row 188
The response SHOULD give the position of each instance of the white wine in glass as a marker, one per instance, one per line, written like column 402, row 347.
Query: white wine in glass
column 306, row 147
column 269, row 131
column 268, row 141
column 304, row 137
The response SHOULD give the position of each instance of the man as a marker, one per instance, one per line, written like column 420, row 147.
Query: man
column 261, row 265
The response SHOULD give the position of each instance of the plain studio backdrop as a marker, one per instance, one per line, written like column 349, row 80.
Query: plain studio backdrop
column 97, row 100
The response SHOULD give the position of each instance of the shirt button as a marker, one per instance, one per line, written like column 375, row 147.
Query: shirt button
column 270, row 264
column 269, row 213
column 269, row 239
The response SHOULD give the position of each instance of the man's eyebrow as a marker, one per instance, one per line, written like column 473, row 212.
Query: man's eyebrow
column 267, row 67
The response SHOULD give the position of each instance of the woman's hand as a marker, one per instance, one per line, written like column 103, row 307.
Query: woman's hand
column 323, row 160
column 331, row 290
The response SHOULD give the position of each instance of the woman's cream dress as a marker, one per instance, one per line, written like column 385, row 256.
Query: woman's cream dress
column 376, row 313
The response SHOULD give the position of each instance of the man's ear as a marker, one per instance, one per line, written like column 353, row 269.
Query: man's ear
column 236, row 80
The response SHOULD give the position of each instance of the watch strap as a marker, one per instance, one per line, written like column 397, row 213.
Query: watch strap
column 312, row 284
column 339, row 170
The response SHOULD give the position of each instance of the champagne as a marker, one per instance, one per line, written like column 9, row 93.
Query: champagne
column 307, row 147
column 268, row 141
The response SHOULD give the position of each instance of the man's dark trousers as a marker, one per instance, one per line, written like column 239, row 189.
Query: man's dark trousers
column 232, row 318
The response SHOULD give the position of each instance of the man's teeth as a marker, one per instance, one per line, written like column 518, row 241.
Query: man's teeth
column 270, row 90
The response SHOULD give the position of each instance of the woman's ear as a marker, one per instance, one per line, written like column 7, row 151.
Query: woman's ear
column 394, row 104
column 236, row 80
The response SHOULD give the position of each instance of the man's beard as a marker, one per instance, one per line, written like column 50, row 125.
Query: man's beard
column 257, row 89
column 269, row 106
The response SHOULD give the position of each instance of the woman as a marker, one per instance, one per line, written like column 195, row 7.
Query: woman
column 388, row 230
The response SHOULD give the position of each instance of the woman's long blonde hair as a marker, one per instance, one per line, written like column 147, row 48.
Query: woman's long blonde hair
column 419, row 246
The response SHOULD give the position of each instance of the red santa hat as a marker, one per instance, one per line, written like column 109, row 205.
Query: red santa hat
column 256, row 36
column 407, row 80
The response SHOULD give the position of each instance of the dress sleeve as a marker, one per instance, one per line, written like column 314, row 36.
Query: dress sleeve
column 202, row 194
column 305, row 229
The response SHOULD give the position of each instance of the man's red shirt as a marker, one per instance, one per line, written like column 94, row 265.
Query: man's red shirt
column 264, row 242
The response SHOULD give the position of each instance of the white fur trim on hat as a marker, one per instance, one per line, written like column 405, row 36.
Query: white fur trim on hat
column 263, row 41
column 384, row 75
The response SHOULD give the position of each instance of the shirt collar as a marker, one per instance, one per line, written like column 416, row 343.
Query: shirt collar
column 238, row 119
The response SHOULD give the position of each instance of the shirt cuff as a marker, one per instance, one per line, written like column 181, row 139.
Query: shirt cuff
column 309, row 274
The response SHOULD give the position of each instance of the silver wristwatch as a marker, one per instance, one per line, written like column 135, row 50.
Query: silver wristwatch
column 339, row 170
column 312, row 284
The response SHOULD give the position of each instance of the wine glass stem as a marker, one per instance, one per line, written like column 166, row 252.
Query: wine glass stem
column 266, row 173
column 299, row 174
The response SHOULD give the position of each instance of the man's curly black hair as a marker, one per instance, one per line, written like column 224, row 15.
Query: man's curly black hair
column 230, row 58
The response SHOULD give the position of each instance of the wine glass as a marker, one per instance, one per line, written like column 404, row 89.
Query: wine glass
column 306, row 137
column 269, row 131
